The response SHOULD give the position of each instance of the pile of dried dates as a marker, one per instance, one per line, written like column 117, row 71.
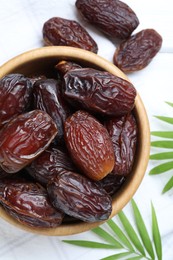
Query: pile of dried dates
column 67, row 144
column 116, row 20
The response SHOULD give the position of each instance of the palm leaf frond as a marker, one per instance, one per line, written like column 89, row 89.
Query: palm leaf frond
column 168, row 186
column 117, row 256
column 156, row 234
column 142, row 230
column 131, row 232
column 165, row 143
column 164, row 134
column 120, row 234
column 164, row 167
column 89, row 244
column 161, row 156
column 162, row 144
column 130, row 243
column 166, row 119
column 106, row 236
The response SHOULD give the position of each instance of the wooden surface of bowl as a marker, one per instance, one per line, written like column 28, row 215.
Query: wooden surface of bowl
column 40, row 61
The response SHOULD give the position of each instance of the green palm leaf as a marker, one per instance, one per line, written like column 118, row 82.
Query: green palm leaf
column 162, row 144
column 167, row 144
column 161, row 156
column 131, row 232
column 126, row 237
column 164, row 167
column 165, row 119
column 142, row 230
column 90, row 244
column 168, row 186
column 117, row 256
column 106, row 236
column 164, row 134
column 156, row 234
column 135, row 257
column 169, row 103
column 119, row 233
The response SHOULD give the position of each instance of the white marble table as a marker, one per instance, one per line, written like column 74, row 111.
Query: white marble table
column 21, row 30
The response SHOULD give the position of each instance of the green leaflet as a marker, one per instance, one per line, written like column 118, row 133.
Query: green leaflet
column 168, row 186
column 90, row 244
column 130, row 240
column 164, row 167
column 117, row 256
column 131, row 232
column 166, row 144
column 162, row 144
column 161, row 156
column 106, row 236
column 142, row 230
column 164, row 134
column 165, row 119
column 169, row 103
column 156, row 234
column 119, row 233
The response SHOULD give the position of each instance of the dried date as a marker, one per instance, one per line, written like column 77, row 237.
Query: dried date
column 49, row 164
column 29, row 204
column 47, row 96
column 79, row 197
column 89, row 145
column 112, row 183
column 138, row 51
column 64, row 66
column 24, row 138
column 113, row 17
column 15, row 95
column 64, row 32
column 123, row 132
column 99, row 92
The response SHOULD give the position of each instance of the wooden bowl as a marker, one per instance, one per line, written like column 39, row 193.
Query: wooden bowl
column 41, row 61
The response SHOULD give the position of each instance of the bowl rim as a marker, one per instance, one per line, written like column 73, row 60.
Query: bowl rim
column 123, row 196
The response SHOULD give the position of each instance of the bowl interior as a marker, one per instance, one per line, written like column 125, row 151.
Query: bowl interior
column 42, row 61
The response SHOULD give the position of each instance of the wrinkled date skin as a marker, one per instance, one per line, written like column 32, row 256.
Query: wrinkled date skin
column 111, row 183
column 28, row 203
column 99, row 91
column 138, row 51
column 47, row 97
column 24, row 138
column 89, row 145
column 50, row 163
column 64, row 32
column 15, row 94
column 79, row 197
column 123, row 132
column 114, row 18
column 64, row 66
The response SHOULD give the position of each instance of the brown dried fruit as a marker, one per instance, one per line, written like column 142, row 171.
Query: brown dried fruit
column 47, row 96
column 89, row 145
column 111, row 183
column 64, row 32
column 113, row 17
column 15, row 94
column 99, row 91
column 29, row 203
column 64, row 66
column 138, row 51
column 123, row 132
column 49, row 164
column 79, row 197
column 24, row 138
